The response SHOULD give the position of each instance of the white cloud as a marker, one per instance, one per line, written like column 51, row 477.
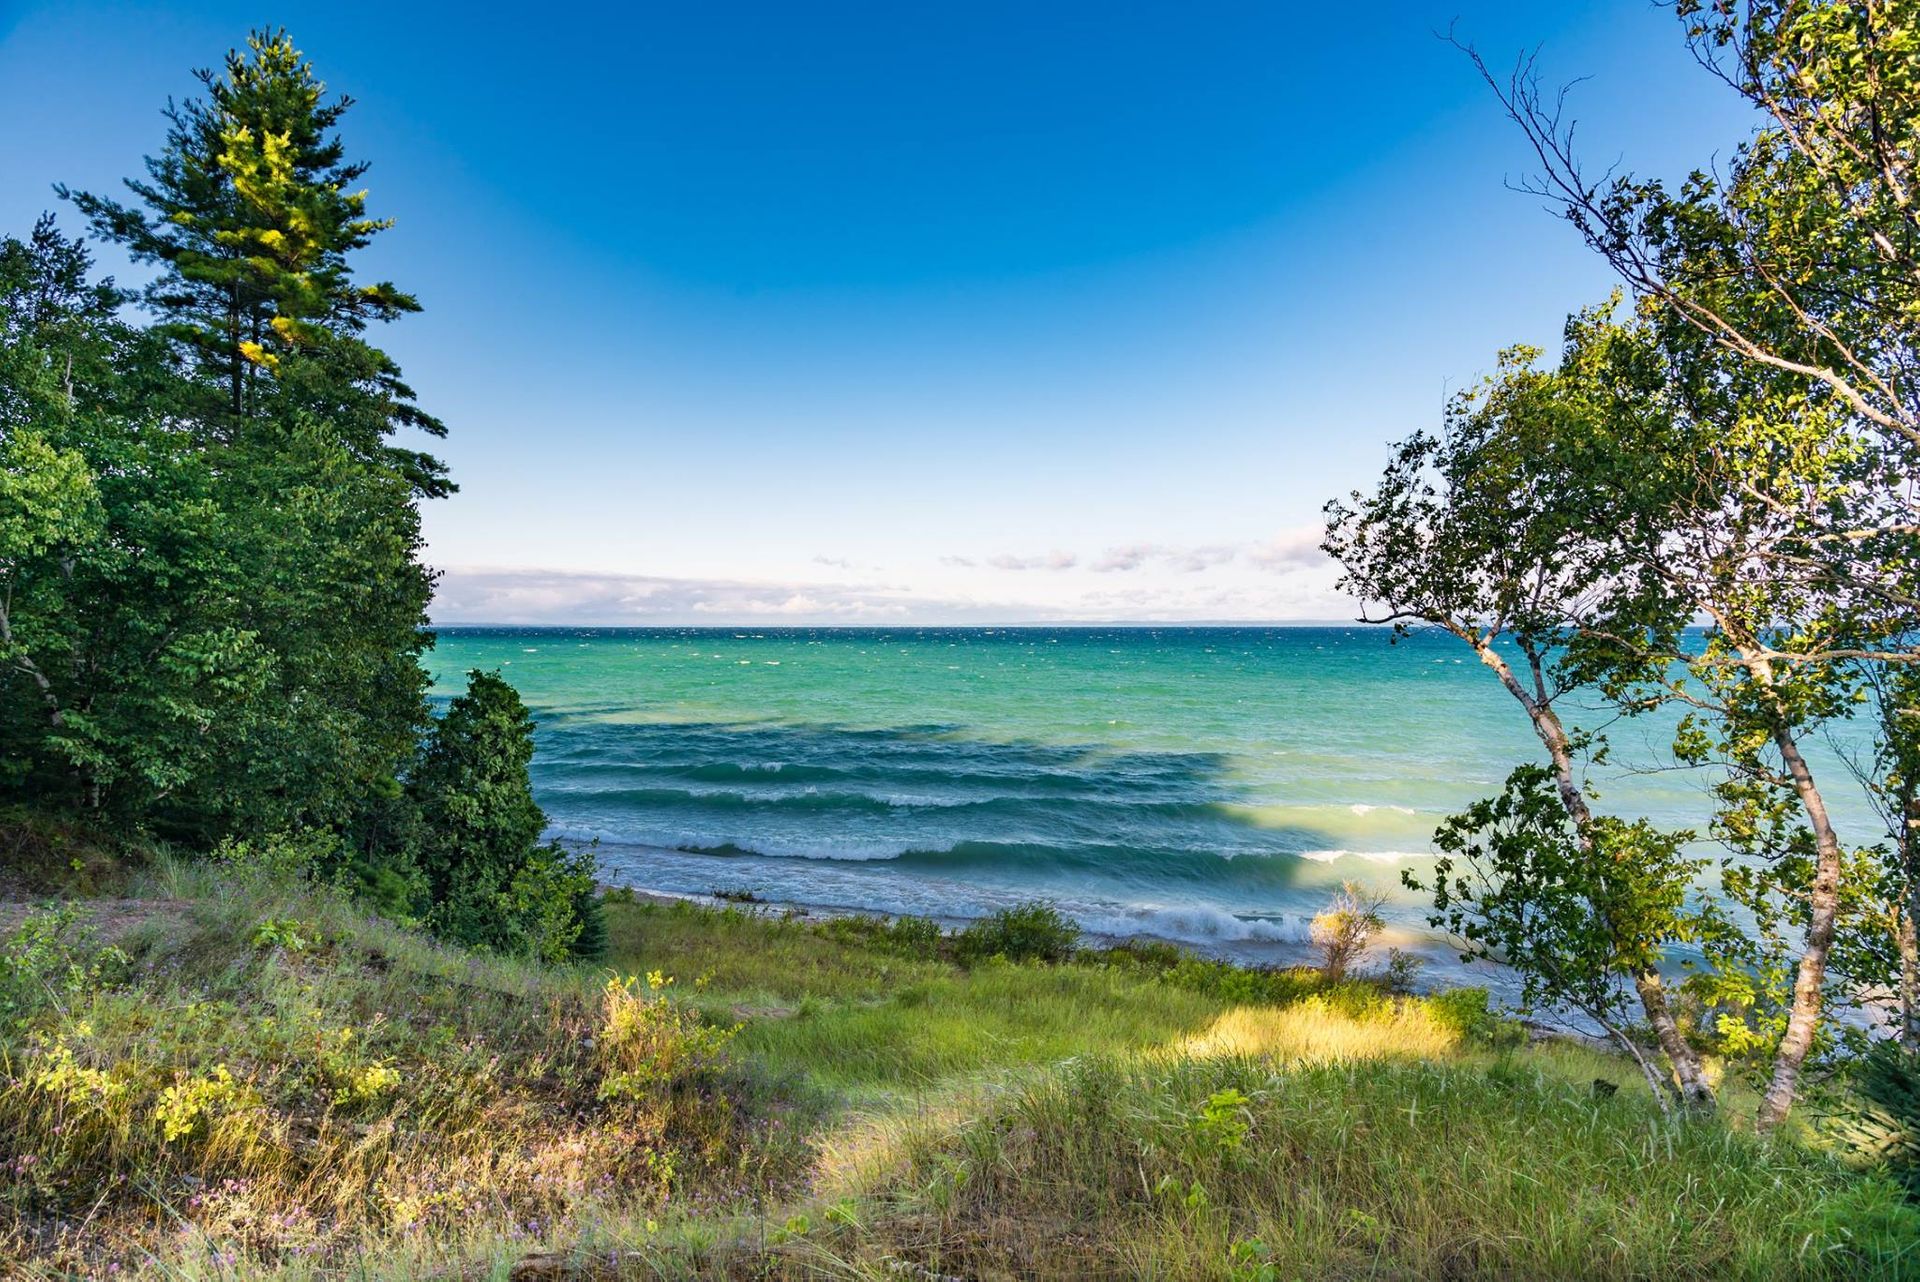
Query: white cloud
column 1130, row 557
column 1295, row 549
column 1282, row 578
column 479, row 595
column 1050, row 561
column 1194, row 560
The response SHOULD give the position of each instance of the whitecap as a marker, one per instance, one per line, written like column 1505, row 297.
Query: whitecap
column 1371, row 856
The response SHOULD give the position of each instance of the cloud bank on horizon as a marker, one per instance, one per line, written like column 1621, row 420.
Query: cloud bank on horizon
column 1282, row 579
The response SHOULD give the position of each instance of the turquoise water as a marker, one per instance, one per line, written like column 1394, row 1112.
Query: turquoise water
column 1209, row 785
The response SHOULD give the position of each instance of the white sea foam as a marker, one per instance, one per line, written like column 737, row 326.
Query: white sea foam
column 1193, row 924
column 1371, row 856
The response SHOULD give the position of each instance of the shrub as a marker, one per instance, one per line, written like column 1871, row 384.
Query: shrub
column 1469, row 1012
column 1345, row 930
column 489, row 880
column 649, row 1045
column 51, row 960
column 280, row 856
column 904, row 936
column 1401, row 976
column 1885, row 1125
column 1036, row 931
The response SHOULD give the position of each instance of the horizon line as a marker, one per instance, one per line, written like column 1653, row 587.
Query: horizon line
column 891, row 627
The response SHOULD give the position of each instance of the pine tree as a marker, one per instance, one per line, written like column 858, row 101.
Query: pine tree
column 251, row 212
column 490, row 880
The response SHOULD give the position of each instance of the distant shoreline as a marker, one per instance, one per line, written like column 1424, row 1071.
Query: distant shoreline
column 1301, row 954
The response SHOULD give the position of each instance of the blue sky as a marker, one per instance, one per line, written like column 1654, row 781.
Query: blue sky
column 874, row 313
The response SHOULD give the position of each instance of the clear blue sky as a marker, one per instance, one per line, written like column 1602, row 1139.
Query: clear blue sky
column 898, row 312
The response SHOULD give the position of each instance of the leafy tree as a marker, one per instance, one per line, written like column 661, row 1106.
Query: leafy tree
column 1516, row 884
column 1494, row 530
column 305, row 529
column 125, row 662
column 489, row 879
column 1798, row 271
column 1750, row 473
column 212, row 605
column 1802, row 257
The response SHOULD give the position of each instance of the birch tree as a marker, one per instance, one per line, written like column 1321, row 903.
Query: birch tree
column 1474, row 530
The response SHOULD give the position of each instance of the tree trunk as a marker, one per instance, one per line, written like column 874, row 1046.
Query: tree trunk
column 1907, row 916
column 1823, row 913
column 1690, row 1077
column 1909, row 972
column 24, row 662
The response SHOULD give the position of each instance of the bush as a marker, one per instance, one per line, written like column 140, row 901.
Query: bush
column 1345, row 930
column 49, row 961
column 1885, row 1125
column 1036, row 931
column 489, row 880
column 917, row 937
column 1469, row 1012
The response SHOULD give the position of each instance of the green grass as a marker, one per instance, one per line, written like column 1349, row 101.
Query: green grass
column 273, row 1083
column 1239, row 1167
column 997, row 1017
column 753, row 959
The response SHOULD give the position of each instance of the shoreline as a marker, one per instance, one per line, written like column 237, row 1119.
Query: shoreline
column 1426, row 982
column 814, row 912
column 1427, row 979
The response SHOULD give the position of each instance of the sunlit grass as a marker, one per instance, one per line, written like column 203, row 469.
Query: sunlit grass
column 995, row 1018
column 1313, row 1031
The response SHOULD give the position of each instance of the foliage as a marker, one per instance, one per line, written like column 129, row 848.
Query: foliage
column 48, row 961
column 489, row 880
column 1513, row 885
column 1778, row 292
column 649, row 1046
column 1469, row 1012
column 1503, row 529
column 214, row 604
column 905, row 935
column 1035, row 931
column 251, row 212
column 1345, row 929
column 1885, row 1122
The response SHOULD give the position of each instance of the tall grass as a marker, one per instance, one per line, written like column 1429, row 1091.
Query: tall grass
column 288, row 1079
column 269, row 1082
column 1238, row 1167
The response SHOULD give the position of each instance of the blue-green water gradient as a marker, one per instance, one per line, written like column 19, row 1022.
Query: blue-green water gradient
column 1209, row 785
